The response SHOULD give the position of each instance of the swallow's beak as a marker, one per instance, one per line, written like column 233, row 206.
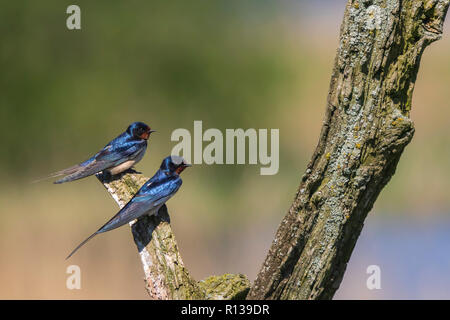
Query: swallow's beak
column 181, row 167
column 146, row 135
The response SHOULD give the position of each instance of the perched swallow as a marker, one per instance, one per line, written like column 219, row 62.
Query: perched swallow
column 150, row 197
column 117, row 156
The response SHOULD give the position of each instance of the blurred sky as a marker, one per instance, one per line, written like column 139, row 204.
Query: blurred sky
column 232, row 64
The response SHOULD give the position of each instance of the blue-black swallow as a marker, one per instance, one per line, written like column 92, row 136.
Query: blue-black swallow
column 150, row 197
column 117, row 156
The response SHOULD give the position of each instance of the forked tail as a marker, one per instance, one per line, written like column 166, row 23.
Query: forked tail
column 81, row 244
column 70, row 170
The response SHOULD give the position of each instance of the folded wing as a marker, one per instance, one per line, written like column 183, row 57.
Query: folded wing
column 153, row 194
column 110, row 156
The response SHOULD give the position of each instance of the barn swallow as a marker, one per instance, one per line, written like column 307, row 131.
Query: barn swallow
column 117, row 156
column 150, row 197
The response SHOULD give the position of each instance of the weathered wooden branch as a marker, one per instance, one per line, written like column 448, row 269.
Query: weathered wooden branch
column 166, row 277
column 365, row 130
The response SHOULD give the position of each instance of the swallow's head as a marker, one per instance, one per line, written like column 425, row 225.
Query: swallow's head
column 139, row 130
column 174, row 164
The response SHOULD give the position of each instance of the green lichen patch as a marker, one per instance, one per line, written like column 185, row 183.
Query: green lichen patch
column 225, row 287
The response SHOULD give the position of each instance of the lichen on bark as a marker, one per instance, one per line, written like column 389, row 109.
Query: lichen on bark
column 366, row 128
column 226, row 287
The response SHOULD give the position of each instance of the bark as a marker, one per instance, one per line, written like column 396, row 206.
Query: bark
column 366, row 127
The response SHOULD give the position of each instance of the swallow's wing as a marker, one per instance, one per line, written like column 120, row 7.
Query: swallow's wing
column 83, row 170
column 111, row 155
column 66, row 171
column 150, row 197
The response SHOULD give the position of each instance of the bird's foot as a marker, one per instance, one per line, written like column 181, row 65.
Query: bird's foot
column 106, row 175
column 133, row 171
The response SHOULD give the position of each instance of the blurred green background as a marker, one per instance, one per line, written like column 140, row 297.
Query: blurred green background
column 232, row 64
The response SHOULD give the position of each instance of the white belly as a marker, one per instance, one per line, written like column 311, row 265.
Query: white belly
column 124, row 166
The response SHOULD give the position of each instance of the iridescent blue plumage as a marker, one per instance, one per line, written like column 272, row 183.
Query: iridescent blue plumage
column 117, row 156
column 150, row 197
